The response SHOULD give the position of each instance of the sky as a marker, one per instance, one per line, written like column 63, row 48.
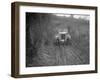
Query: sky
column 77, row 16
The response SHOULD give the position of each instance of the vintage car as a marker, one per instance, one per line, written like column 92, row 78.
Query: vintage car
column 63, row 38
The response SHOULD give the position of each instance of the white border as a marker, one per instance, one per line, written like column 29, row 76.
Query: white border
column 52, row 69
